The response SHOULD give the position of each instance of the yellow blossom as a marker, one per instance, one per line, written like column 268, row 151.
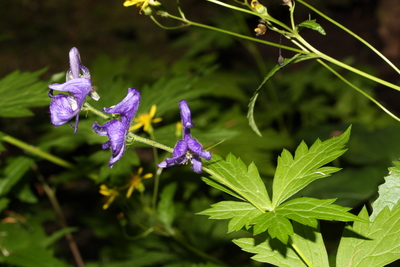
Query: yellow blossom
column 136, row 182
column 110, row 193
column 142, row 3
column 145, row 120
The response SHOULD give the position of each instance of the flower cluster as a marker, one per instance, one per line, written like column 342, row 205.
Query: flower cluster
column 63, row 108
column 78, row 86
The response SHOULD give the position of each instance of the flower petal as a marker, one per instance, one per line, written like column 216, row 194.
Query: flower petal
column 185, row 114
column 127, row 107
column 61, row 110
column 196, row 165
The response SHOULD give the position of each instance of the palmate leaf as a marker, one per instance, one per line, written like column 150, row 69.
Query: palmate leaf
column 303, row 210
column 389, row 192
column 20, row 91
column 293, row 174
column 308, row 240
column 240, row 213
column 371, row 244
column 235, row 178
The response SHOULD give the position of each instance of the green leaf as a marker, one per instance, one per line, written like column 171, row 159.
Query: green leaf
column 389, row 192
column 20, row 91
column 250, row 114
column 313, row 25
column 307, row 240
column 240, row 213
column 293, row 174
column 277, row 225
column 371, row 244
column 166, row 208
column 307, row 210
column 233, row 174
column 14, row 172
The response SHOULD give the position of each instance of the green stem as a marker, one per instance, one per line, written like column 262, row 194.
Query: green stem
column 351, row 33
column 236, row 34
column 359, row 90
column 150, row 142
column 36, row 151
column 231, row 186
column 90, row 108
column 345, row 66
column 156, row 173
column 301, row 255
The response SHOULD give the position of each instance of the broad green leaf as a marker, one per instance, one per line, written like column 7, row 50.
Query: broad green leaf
column 166, row 208
column 233, row 174
column 371, row 244
column 293, row 174
column 20, row 91
column 277, row 225
column 13, row 173
column 307, row 240
column 33, row 257
column 308, row 210
column 250, row 114
column 240, row 213
column 389, row 192
column 313, row 25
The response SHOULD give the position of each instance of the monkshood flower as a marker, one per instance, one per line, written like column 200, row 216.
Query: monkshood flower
column 117, row 130
column 65, row 107
column 188, row 149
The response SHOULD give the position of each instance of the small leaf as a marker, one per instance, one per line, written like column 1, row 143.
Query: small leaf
column 233, row 174
column 293, row 174
column 308, row 241
column 308, row 210
column 166, row 208
column 20, row 91
column 250, row 114
column 278, row 226
column 389, row 192
column 240, row 213
column 313, row 25
column 14, row 172
column 371, row 244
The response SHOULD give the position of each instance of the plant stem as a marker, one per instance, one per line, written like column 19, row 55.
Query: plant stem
column 36, row 151
column 235, row 34
column 345, row 66
column 359, row 90
column 57, row 208
column 351, row 33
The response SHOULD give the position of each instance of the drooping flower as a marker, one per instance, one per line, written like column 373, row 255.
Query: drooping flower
column 117, row 130
column 145, row 120
column 188, row 149
column 136, row 182
column 78, row 86
column 112, row 194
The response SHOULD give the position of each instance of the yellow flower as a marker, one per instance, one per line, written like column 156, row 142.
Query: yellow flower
column 136, row 182
column 145, row 120
column 143, row 3
column 178, row 130
column 110, row 193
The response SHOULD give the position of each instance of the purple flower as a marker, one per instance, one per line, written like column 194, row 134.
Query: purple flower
column 117, row 130
column 188, row 149
column 65, row 107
